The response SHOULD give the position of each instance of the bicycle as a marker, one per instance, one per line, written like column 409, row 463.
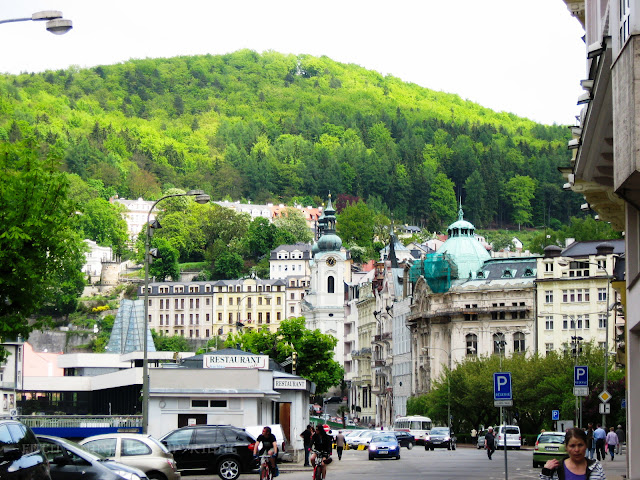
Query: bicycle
column 317, row 464
column 266, row 472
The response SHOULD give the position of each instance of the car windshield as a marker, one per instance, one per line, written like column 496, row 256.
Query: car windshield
column 439, row 431
column 383, row 438
column 551, row 439
column 511, row 431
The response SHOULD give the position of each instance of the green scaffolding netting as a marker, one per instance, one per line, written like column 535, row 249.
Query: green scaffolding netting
column 437, row 270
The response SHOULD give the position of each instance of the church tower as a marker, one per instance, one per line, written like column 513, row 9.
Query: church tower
column 323, row 306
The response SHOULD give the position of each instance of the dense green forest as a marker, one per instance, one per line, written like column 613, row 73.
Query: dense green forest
column 280, row 128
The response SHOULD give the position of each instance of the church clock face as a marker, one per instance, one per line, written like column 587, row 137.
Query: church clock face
column 331, row 261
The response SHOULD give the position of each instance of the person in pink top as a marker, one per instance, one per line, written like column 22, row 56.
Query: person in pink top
column 612, row 441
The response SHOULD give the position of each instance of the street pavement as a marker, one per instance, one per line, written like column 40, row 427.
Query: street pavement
column 462, row 464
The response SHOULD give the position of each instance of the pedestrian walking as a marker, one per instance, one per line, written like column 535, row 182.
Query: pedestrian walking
column 600, row 435
column 591, row 443
column 490, row 442
column 340, row 441
column 612, row 441
column 474, row 437
column 621, row 439
column 576, row 466
column 306, row 442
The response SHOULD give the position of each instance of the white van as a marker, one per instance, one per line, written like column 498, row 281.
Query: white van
column 512, row 434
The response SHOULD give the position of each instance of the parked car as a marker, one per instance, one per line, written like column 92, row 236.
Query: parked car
column 352, row 439
column 362, row 439
column 440, row 437
column 333, row 400
column 21, row 454
column 549, row 445
column 222, row 449
column 481, row 435
column 405, row 439
column 384, row 445
column 315, row 409
column 138, row 450
column 69, row 460
column 512, row 435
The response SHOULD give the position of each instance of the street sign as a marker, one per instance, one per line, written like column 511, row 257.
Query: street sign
column 555, row 414
column 502, row 394
column 581, row 376
column 581, row 391
column 605, row 408
column 623, row 404
column 605, row 396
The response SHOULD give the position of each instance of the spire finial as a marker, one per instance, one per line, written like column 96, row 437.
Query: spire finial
column 460, row 212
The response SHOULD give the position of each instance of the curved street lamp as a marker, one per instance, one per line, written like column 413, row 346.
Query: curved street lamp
column 55, row 23
column 202, row 198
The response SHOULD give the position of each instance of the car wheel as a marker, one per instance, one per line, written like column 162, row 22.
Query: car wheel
column 370, row 457
column 426, row 447
column 449, row 446
column 410, row 446
column 398, row 457
column 156, row 476
column 229, row 469
column 433, row 448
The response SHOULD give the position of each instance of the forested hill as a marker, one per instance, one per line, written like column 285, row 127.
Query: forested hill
column 270, row 127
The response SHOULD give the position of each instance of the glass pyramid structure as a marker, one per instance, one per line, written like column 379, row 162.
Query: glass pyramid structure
column 128, row 329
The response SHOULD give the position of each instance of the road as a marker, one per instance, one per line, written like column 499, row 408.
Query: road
column 462, row 464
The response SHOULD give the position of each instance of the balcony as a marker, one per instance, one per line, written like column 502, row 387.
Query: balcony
column 379, row 363
column 446, row 314
column 381, row 338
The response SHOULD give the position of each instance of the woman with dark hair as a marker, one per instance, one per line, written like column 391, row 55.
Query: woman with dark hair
column 320, row 442
column 577, row 466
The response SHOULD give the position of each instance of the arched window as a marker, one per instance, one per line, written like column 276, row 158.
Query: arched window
column 331, row 284
column 472, row 344
column 518, row 342
column 498, row 343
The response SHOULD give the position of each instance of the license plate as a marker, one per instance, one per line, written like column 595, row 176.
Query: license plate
column 383, row 452
column 551, row 449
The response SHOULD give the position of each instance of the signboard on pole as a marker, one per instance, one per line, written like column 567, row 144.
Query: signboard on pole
column 502, row 393
column 555, row 415
column 581, row 381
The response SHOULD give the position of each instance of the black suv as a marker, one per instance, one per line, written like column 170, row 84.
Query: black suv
column 405, row 439
column 222, row 449
column 20, row 453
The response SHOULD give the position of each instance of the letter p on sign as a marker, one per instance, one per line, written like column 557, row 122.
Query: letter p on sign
column 502, row 386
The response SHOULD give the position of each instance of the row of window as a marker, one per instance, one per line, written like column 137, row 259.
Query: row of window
column 194, row 319
column 574, row 322
column 219, row 289
column 549, row 347
column 499, row 343
column 179, row 303
column 573, row 295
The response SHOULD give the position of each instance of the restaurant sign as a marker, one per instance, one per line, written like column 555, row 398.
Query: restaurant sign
column 289, row 384
column 260, row 362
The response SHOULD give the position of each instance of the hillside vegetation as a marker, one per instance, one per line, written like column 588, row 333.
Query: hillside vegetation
column 274, row 127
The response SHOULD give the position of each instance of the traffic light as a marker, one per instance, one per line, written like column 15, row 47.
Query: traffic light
column 294, row 362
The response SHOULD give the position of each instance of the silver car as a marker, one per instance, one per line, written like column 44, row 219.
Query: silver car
column 138, row 450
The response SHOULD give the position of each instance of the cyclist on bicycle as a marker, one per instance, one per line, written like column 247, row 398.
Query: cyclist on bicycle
column 269, row 445
column 321, row 442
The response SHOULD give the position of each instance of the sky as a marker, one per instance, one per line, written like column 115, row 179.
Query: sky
column 523, row 57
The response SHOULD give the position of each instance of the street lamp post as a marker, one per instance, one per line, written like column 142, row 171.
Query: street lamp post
column 55, row 23
column 575, row 343
column 202, row 198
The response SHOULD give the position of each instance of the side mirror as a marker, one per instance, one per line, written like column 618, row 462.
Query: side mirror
column 61, row 460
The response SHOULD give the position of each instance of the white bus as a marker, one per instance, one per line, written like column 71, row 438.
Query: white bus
column 416, row 425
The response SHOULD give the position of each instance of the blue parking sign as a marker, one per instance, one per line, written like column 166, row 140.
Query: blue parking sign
column 555, row 414
column 581, row 376
column 502, row 386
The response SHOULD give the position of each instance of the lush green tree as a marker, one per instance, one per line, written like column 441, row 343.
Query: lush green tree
column 228, row 265
column 520, row 191
column 586, row 229
column 102, row 222
column 39, row 243
column 475, row 206
column 500, row 240
column 356, row 223
column 293, row 221
column 173, row 343
column 165, row 264
column 315, row 350
column 442, row 202
column 105, row 326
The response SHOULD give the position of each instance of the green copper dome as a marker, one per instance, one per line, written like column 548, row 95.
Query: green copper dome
column 329, row 241
column 463, row 247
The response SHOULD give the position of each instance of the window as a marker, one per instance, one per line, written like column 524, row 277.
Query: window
column 472, row 344
column 218, row 404
column 578, row 269
column 278, row 316
column 259, row 317
column 518, row 342
column 230, row 318
column 293, row 309
column 131, row 447
column 176, row 304
column 208, row 301
column 191, row 303
column 199, row 403
column 230, row 300
column 548, row 348
column 198, row 303
column 279, row 301
column 548, row 322
column 587, row 323
column 602, row 320
column 182, row 303
column 293, row 296
column 602, row 294
column 499, row 343
column 548, row 296
column 105, row 447
column 220, row 301
column 625, row 22
column 219, row 316
column 548, row 267
column 268, row 317
column 565, row 322
column 331, row 284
